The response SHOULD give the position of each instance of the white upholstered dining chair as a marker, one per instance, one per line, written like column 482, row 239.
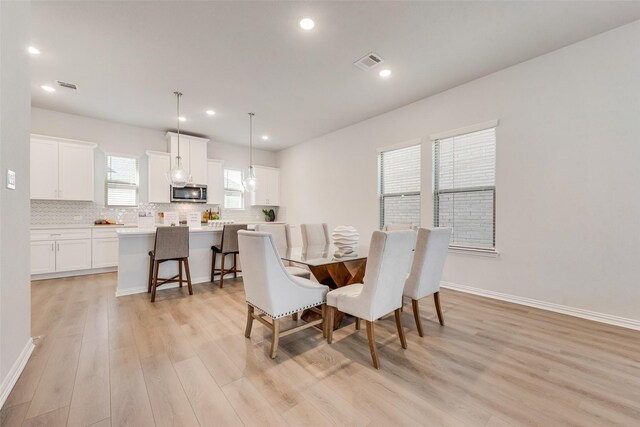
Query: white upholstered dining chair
column 315, row 234
column 397, row 227
column 389, row 260
column 271, row 290
column 432, row 246
column 282, row 239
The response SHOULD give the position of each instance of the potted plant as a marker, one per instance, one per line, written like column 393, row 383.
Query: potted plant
column 269, row 215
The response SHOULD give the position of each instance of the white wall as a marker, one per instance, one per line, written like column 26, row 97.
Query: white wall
column 15, row 102
column 568, row 156
column 121, row 138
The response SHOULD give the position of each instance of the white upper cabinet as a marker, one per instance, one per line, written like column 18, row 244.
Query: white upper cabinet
column 61, row 169
column 215, row 182
column 159, row 165
column 44, row 169
column 193, row 151
column 267, row 187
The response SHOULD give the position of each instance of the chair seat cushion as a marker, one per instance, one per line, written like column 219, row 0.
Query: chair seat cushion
column 298, row 271
column 338, row 297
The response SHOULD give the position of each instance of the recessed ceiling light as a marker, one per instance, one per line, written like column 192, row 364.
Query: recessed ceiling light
column 47, row 88
column 211, row 112
column 385, row 73
column 34, row 51
column 182, row 119
column 265, row 137
column 307, row 24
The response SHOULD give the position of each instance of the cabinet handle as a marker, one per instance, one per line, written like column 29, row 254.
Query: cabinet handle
column 58, row 247
column 53, row 234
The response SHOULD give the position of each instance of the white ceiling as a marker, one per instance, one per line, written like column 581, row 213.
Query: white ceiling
column 234, row 57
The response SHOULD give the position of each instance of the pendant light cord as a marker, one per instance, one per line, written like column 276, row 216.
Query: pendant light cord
column 251, row 141
column 178, row 95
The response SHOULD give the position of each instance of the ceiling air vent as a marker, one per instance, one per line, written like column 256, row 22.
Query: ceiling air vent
column 369, row 61
column 67, row 85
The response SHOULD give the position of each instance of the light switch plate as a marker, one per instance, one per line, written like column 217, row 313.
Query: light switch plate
column 11, row 179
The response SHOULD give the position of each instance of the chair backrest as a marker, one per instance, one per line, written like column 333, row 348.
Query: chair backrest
column 267, row 284
column 281, row 235
column 387, row 265
column 432, row 246
column 397, row 227
column 315, row 234
column 229, row 242
column 171, row 242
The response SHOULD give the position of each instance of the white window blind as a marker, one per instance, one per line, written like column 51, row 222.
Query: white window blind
column 399, row 186
column 464, row 187
column 122, row 181
column 233, row 189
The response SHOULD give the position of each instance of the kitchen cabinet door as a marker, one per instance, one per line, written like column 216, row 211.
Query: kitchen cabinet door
column 105, row 252
column 268, row 187
column 159, row 189
column 44, row 169
column 198, row 161
column 43, row 257
column 73, row 255
column 75, row 172
column 215, row 182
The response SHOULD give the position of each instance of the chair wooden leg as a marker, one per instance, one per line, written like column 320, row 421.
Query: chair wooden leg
column 436, row 299
column 403, row 339
column 235, row 267
column 213, row 265
column 150, row 274
column 275, row 337
column 330, row 312
column 372, row 344
column 155, row 281
column 357, row 323
column 247, row 330
column 180, row 272
column 188, row 271
column 221, row 270
column 324, row 320
column 294, row 316
column 416, row 316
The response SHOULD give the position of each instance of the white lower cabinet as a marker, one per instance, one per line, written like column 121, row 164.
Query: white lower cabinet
column 105, row 252
column 73, row 255
column 43, row 257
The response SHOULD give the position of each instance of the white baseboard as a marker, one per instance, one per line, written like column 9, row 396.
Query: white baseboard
column 571, row 311
column 132, row 291
column 12, row 377
column 73, row 273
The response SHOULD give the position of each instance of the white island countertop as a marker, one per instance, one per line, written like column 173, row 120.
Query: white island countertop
column 71, row 226
column 124, row 232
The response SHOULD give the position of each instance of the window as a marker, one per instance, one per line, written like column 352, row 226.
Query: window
column 233, row 189
column 464, row 187
column 122, row 181
column 399, row 186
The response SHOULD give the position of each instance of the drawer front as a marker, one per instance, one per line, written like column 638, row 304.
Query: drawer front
column 100, row 233
column 60, row 234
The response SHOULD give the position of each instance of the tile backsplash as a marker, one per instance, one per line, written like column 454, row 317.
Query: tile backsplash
column 60, row 212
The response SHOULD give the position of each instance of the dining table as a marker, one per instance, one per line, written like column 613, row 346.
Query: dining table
column 332, row 267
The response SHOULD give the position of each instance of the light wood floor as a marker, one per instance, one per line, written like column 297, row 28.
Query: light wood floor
column 101, row 360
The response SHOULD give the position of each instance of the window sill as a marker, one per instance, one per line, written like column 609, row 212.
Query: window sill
column 490, row 253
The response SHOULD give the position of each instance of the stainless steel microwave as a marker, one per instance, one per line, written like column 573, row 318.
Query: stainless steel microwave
column 192, row 193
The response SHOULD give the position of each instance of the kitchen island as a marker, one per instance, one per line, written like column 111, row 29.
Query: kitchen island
column 133, row 258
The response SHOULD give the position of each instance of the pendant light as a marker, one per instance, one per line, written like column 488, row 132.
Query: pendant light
column 249, row 182
column 177, row 176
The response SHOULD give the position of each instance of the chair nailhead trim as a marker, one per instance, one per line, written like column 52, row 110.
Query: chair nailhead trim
column 287, row 313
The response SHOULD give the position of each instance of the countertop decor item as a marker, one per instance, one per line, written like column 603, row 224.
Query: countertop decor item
column 249, row 182
column 177, row 176
column 269, row 215
column 345, row 238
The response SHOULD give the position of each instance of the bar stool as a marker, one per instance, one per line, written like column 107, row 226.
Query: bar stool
column 171, row 244
column 228, row 246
